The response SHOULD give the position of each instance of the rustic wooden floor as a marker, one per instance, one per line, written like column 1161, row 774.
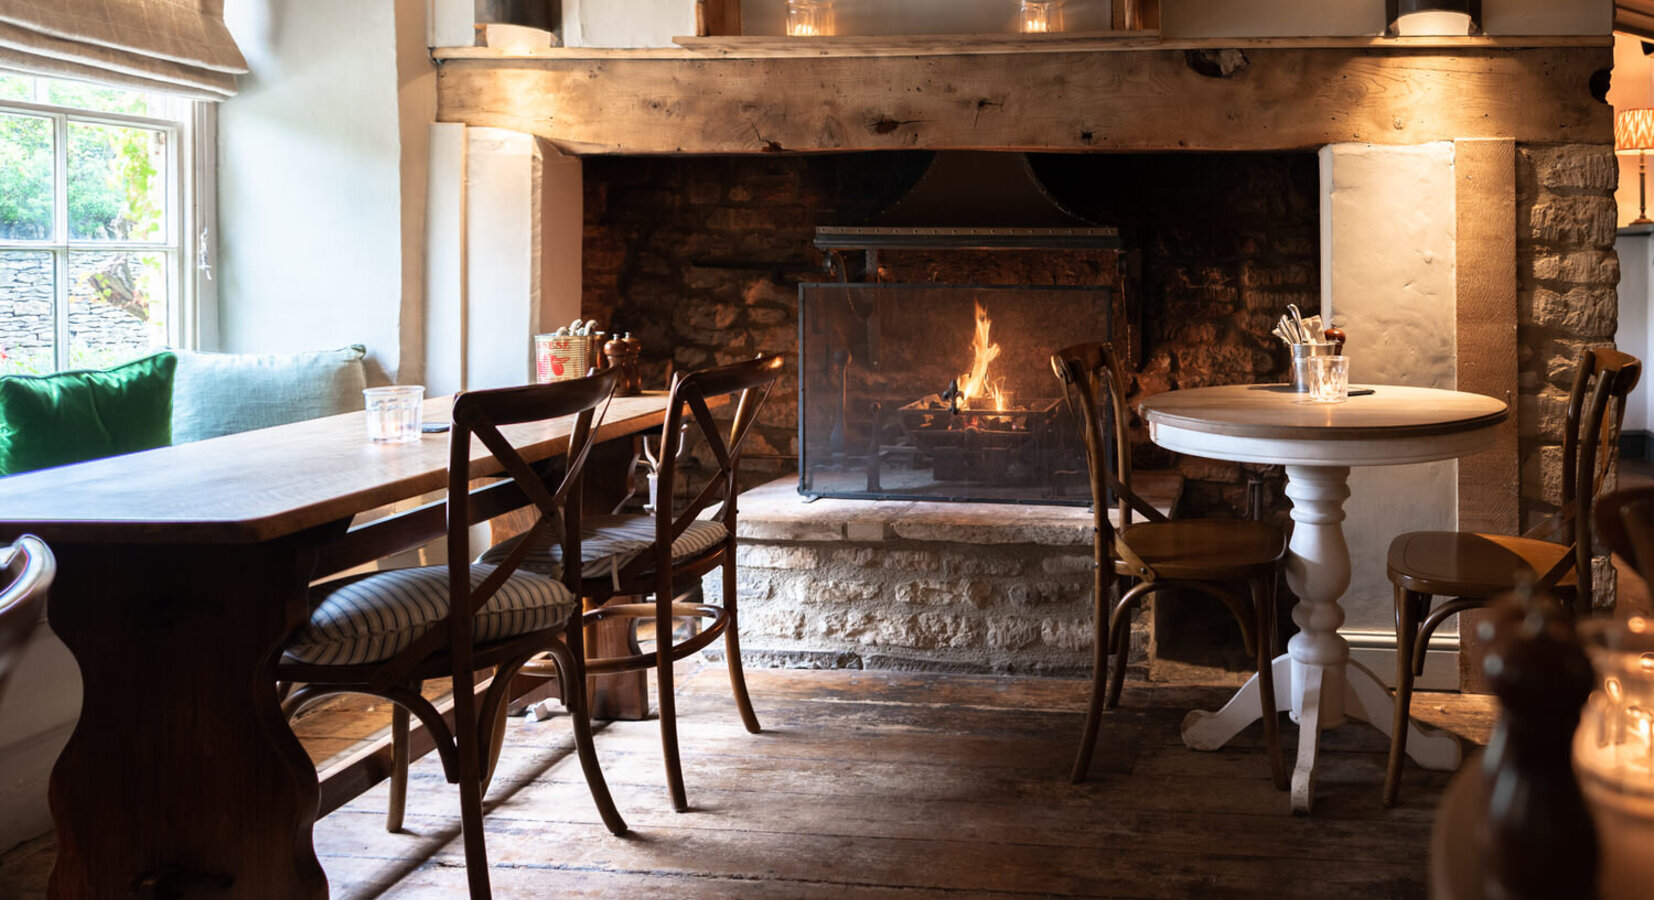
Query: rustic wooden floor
column 887, row 785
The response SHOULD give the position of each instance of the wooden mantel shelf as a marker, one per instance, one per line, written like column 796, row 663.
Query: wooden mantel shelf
column 775, row 47
column 1070, row 93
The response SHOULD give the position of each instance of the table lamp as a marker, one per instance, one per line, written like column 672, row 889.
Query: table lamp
column 1634, row 132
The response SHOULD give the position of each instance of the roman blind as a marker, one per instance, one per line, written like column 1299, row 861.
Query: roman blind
column 180, row 46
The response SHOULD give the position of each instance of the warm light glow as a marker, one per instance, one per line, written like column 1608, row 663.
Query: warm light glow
column 974, row 383
column 809, row 18
column 1633, row 130
column 1434, row 22
column 1040, row 16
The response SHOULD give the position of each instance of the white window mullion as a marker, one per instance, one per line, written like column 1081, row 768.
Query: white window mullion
column 60, row 237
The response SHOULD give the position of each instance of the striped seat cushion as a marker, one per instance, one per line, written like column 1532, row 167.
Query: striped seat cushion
column 370, row 618
column 608, row 543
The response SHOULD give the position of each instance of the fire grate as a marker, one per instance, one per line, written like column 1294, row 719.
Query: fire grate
column 941, row 392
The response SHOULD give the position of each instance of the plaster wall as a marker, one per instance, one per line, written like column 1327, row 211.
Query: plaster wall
column 310, row 181
column 1388, row 250
column 626, row 23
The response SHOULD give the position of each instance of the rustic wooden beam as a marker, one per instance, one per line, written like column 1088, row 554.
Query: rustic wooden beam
column 1485, row 315
column 1125, row 100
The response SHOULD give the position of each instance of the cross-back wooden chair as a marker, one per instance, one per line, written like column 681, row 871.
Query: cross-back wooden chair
column 1625, row 525
column 665, row 553
column 1470, row 569
column 29, row 570
column 1137, row 559
column 385, row 633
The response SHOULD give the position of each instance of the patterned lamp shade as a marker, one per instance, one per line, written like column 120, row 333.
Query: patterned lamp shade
column 1634, row 130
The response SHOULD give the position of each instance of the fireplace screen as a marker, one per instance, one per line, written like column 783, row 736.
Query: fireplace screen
column 941, row 392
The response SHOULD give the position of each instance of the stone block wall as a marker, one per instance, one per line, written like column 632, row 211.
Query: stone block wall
column 964, row 587
column 1567, row 277
column 101, row 332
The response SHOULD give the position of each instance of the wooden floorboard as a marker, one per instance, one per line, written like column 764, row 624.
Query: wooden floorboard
column 891, row 785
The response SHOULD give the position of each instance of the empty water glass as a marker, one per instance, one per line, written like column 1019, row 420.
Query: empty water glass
column 1329, row 378
column 394, row 413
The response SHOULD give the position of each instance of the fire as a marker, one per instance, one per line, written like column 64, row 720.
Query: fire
column 975, row 384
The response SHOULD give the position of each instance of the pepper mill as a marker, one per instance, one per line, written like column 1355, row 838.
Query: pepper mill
column 1537, row 839
column 623, row 353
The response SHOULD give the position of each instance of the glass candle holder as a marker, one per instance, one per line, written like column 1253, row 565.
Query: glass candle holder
column 1614, row 754
column 1329, row 378
column 1040, row 16
column 810, row 18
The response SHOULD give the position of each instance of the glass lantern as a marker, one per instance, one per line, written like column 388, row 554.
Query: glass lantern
column 1614, row 755
column 809, row 18
column 1040, row 16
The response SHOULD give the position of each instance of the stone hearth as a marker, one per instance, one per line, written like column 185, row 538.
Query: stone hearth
column 959, row 587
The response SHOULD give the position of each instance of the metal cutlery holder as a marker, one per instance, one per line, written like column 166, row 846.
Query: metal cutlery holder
column 1298, row 378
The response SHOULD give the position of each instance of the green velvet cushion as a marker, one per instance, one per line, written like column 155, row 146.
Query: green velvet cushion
column 54, row 420
column 225, row 393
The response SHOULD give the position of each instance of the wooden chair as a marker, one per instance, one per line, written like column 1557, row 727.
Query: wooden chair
column 29, row 569
column 454, row 620
column 1204, row 556
column 1625, row 525
column 665, row 554
column 1470, row 568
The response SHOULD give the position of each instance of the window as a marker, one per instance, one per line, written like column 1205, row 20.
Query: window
column 93, row 217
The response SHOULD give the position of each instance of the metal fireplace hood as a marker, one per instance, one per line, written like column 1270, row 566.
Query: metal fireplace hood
column 973, row 200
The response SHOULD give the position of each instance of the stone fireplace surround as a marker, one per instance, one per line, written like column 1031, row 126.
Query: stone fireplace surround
column 1492, row 292
column 704, row 255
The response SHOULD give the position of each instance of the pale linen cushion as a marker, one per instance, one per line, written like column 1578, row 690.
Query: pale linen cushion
column 371, row 618
column 608, row 543
column 223, row 393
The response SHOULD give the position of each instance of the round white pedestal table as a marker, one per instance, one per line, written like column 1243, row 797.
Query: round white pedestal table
column 1319, row 443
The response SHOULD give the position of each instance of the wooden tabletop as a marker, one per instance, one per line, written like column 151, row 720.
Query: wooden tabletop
column 264, row 484
column 1274, row 411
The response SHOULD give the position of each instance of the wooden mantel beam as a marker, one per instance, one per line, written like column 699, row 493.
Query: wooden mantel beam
column 1276, row 98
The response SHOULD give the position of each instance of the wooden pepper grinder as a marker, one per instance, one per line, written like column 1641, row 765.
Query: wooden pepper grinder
column 1537, row 839
column 624, row 352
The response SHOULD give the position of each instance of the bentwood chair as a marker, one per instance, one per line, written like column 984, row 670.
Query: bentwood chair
column 29, row 570
column 1138, row 559
column 1470, row 569
column 665, row 553
column 1625, row 525
column 385, row 633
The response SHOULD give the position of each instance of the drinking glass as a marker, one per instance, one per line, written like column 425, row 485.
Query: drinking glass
column 1329, row 378
column 1614, row 753
column 394, row 413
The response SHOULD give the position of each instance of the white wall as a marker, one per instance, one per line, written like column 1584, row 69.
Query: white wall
column 310, row 181
column 1633, row 86
column 1633, row 336
column 1388, row 249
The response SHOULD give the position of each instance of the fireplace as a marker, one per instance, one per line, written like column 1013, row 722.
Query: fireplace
column 941, row 392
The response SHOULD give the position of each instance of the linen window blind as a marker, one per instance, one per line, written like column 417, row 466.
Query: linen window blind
column 180, row 46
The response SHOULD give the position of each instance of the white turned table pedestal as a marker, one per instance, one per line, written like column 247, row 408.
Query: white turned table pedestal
column 1318, row 443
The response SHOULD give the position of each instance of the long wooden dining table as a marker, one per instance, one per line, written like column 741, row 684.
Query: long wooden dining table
column 181, row 572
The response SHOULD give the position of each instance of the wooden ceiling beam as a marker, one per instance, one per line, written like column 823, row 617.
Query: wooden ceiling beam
column 1259, row 98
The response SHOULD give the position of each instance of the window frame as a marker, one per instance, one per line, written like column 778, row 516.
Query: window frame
column 186, row 239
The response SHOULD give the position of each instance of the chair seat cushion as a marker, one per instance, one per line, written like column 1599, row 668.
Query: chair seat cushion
column 608, row 543
column 1466, row 564
column 371, row 618
column 1205, row 548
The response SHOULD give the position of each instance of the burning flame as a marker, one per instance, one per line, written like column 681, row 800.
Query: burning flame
column 974, row 384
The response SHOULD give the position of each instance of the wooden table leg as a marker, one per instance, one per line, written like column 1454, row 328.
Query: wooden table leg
column 624, row 695
column 182, row 777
